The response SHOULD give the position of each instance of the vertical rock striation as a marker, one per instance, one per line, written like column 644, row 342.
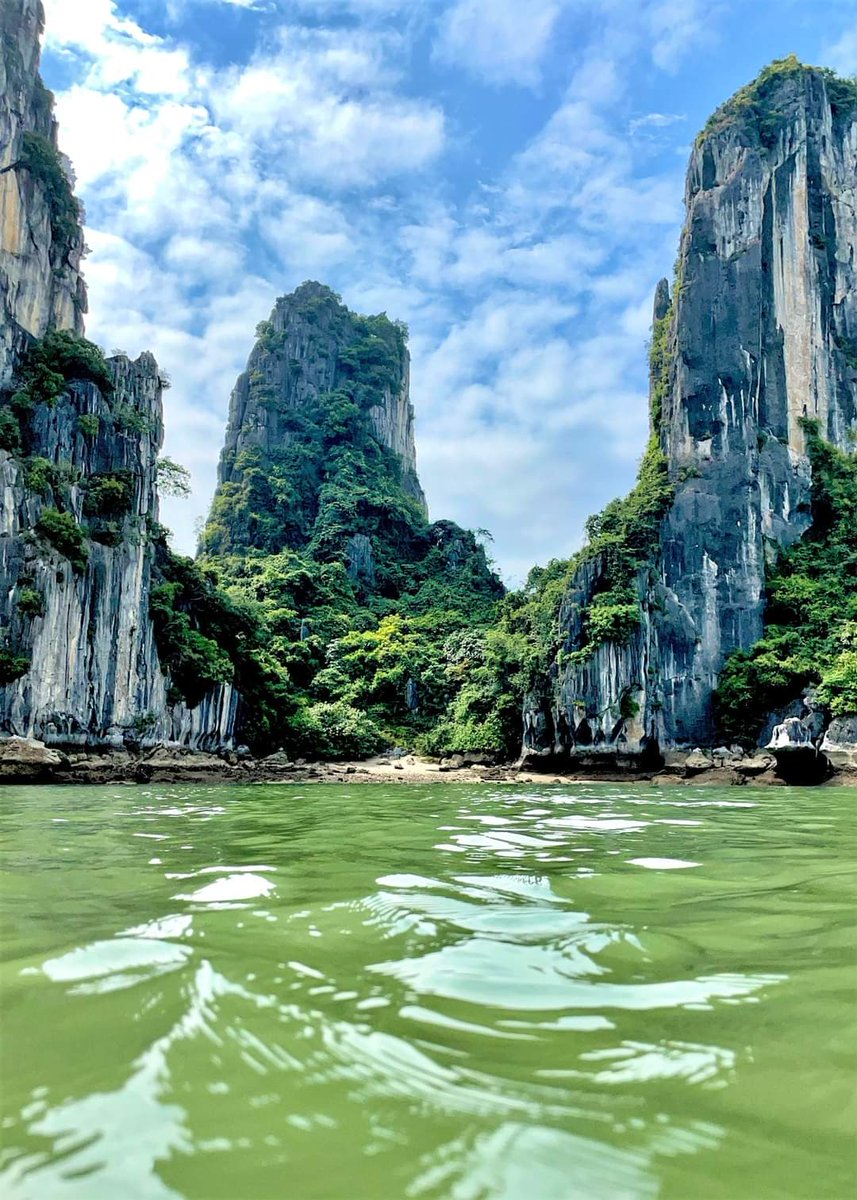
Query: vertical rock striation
column 93, row 675
column 764, row 333
column 760, row 331
column 40, row 282
column 310, row 350
column 94, row 671
column 78, row 496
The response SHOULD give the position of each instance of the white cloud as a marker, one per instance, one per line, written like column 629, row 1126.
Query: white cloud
column 501, row 41
column 324, row 121
column 654, row 120
column 678, row 26
column 841, row 55
column 210, row 190
column 88, row 26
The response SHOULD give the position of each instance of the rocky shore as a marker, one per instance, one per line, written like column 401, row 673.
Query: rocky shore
column 25, row 760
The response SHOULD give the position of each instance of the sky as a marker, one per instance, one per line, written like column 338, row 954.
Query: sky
column 506, row 176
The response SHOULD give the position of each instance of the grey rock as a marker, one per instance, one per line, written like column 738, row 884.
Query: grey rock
column 279, row 758
column 768, row 296
column 23, row 759
column 95, row 678
column 696, row 762
column 300, row 367
column 841, row 734
column 840, row 742
column 791, row 735
column 40, row 283
column 474, row 758
column 177, row 768
column 756, row 764
column 360, row 560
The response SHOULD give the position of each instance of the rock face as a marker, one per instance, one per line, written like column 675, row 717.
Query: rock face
column 311, row 348
column 40, row 282
column 94, row 675
column 94, row 667
column 81, row 629
column 761, row 330
column 764, row 320
column 840, row 743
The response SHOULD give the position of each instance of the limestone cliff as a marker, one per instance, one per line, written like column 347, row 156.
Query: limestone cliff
column 314, row 363
column 77, row 517
column 760, row 331
column 79, row 439
column 40, row 247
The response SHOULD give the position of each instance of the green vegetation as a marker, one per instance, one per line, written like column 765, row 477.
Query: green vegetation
column 52, row 363
column 10, row 431
column 811, row 618
column 13, row 663
column 30, row 602
column 331, row 478
column 89, row 425
column 46, row 477
column 185, row 599
column 108, row 494
column 316, row 638
column 486, row 673
column 337, row 730
column 130, row 420
column 623, row 538
column 754, row 104
column 62, row 532
column 42, row 160
column 173, row 478
column 659, row 362
column 205, row 637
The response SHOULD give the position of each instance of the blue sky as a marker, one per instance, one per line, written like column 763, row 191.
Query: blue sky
column 504, row 175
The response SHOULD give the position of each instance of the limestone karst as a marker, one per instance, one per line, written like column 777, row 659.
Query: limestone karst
column 326, row 612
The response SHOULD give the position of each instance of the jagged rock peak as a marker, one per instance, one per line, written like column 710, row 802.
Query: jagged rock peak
column 785, row 93
column 319, row 376
column 41, row 287
column 661, row 306
column 764, row 334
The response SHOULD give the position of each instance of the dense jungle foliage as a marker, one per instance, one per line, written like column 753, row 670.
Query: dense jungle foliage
column 345, row 616
column 350, row 623
column 346, row 619
column 811, row 616
column 324, row 668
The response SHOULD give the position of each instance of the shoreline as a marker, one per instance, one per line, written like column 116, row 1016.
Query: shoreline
column 26, row 761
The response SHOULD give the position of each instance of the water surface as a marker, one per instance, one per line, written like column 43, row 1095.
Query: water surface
column 472, row 992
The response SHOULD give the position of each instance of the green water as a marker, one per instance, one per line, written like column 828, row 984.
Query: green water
column 476, row 992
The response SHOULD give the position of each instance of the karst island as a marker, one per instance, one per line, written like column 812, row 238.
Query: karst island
column 338, row 860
